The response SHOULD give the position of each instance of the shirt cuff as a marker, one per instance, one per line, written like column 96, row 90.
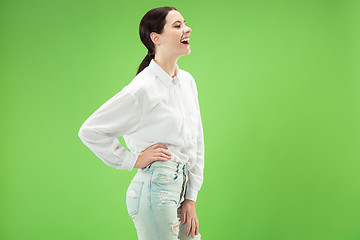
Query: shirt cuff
column 130, row 161
column 191, row 194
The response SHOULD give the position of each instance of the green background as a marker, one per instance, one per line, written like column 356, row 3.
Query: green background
column 278, row 86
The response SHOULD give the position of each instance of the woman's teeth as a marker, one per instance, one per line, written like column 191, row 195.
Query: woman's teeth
column 185, row 41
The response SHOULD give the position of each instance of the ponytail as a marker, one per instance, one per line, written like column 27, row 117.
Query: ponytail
column 146, row 61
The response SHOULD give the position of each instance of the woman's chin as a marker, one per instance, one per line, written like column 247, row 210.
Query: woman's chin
column 188, row 52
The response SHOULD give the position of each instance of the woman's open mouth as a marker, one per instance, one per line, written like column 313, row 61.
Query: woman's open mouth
column 185, row 41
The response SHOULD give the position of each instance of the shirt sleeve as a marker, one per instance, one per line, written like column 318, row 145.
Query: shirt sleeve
column 118, row 116
column 196, row 170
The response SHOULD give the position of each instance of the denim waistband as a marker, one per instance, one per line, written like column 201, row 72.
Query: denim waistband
column 169, row 164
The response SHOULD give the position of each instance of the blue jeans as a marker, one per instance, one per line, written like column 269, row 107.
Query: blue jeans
column 154, row 199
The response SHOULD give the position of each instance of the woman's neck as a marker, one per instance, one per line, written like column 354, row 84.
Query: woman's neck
column 167, row 64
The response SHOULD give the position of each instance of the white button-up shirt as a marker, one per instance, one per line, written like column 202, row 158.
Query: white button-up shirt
column 152, row 108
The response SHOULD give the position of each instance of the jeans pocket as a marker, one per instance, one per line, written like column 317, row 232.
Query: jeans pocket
column 133, row 195
column 164, row 178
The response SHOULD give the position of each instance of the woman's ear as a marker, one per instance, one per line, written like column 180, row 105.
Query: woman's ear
column 154, row 37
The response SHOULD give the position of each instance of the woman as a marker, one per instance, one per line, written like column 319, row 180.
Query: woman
column 159, row 117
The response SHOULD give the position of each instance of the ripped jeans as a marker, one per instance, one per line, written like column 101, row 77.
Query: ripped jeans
column 154, row 199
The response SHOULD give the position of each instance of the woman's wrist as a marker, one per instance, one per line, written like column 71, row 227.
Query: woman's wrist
column 189, row 200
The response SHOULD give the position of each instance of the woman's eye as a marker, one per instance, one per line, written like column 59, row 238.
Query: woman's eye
column 177, row 26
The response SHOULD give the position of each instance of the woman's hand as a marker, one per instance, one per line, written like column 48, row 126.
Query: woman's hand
column 155, row 152
column 188, row 215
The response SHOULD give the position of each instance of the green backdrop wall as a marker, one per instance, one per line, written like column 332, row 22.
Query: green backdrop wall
column 279, row 94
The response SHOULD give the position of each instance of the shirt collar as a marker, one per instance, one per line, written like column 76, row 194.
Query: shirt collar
column 165, row 78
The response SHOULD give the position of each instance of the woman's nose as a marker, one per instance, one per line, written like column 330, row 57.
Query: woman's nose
column 188, row 30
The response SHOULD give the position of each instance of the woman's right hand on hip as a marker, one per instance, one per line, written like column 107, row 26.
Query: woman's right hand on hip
column 156, row 152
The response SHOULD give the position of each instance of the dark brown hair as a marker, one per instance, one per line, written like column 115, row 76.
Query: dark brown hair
column 153, row 21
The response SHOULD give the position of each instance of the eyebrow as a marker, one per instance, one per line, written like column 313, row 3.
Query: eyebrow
column 177, row 21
